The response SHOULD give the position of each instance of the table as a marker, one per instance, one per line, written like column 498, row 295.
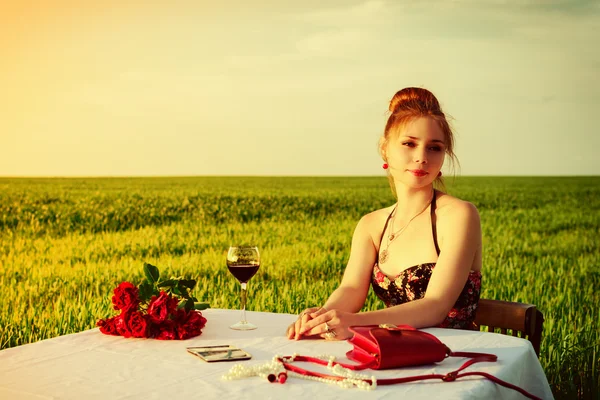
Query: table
column 91, row 365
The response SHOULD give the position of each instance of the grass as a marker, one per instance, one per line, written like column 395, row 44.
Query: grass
column 66, row 243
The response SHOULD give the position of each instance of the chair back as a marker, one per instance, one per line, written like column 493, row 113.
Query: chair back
column 522, row 320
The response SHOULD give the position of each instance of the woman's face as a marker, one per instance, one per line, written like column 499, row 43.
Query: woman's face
column 415, row 154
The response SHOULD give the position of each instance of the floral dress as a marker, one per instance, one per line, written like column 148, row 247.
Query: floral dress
column 411, row 284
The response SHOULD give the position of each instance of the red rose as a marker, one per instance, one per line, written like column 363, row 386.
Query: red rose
column 137, row 324
column 452, row 313
column 122, row 326
column 173, row 305
column 107, row 326
column 160, row 307
column 189, row 324
column 126, row 297
column 166, row 330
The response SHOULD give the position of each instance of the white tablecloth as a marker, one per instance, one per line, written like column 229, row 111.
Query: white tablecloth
column 90, row 365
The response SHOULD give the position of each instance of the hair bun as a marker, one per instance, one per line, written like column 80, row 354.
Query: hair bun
column 413, row 97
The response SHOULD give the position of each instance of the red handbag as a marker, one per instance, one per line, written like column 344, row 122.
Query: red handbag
column 389, row 346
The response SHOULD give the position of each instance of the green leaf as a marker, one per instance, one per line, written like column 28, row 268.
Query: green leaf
column 151, row 272
column 189, row 283
column 185, row 296
column 168, row 282
column 145, row 291
column 189, row 305
column 183, row 290
column 201, row 306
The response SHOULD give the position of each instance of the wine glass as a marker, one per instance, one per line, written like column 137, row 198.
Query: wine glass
column 243, row 262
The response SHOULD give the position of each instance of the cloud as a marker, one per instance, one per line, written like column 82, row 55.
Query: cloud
column 357, row 14
column 563, row 7
column 331, row 42
column 536, row 55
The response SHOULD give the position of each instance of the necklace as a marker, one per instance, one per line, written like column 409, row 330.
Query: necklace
column 385, row 253
column 274, row 370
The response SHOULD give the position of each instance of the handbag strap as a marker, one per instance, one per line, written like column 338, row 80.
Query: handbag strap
column 449, row 377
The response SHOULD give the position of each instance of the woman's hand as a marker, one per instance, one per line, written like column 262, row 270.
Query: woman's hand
column 334, row 322
column 306, row 315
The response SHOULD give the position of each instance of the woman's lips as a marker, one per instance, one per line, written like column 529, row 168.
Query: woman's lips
column 418, row 172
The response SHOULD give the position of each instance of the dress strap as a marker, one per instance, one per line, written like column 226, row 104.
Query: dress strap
column 433, row 228
column 383, row 232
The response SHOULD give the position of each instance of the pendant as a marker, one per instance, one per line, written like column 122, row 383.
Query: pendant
column 383, row 256
column 391, row 237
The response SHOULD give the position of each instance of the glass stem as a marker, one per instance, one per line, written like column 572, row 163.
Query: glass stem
column 244, row 293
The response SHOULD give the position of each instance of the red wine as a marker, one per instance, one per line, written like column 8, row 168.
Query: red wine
column 243, row 273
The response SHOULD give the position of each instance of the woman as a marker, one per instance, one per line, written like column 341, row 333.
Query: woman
column 422, row 255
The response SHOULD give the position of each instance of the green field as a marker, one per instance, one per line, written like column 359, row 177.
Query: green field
column 66, row 243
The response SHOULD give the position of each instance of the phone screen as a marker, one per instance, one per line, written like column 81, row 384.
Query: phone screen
column 219, row 353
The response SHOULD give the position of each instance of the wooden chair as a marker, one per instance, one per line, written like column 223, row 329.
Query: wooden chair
column 523, row 320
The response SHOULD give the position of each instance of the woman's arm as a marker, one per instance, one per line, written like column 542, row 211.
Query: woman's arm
column 461, row 231
column 351, row 293
column 353, row 289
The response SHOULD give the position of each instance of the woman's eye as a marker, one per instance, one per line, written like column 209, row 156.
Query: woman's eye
column 435, row 148
column 409, row 144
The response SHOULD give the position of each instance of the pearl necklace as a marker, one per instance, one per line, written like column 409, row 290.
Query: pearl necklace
column 276, row 367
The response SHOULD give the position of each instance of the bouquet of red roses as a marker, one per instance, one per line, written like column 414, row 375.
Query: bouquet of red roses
column 163, row 310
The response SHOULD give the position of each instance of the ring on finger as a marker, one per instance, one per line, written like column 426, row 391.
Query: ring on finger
column 327, row 328
column 330, row 334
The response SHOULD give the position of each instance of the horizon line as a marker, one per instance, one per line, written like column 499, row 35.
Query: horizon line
column 273, row 176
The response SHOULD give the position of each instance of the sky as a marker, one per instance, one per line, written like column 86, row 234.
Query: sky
column 182, row 88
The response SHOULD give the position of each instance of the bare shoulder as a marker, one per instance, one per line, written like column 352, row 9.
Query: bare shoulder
column 453, row 209
column 373, row 222
column 377, row 217
column 459, row 229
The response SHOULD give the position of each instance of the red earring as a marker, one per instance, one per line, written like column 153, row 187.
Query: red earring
column 439, row 174
column 385, row 166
